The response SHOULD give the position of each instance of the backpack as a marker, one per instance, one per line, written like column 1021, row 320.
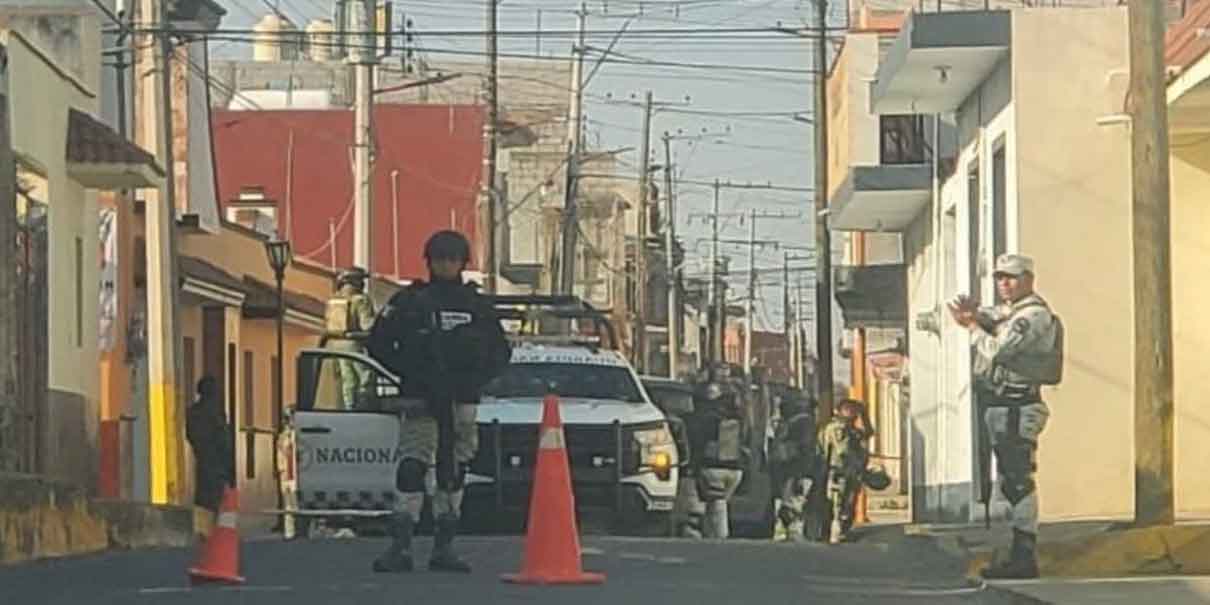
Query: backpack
column 1049, row 369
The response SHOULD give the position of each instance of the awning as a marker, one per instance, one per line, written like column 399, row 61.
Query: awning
column 99, row 158
column 207, row 281
column 938, row 60
column 1189, row 102
column 262, row 303
column 872, row 296
column 880, row 198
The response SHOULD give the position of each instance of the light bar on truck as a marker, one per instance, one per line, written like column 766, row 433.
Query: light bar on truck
column 554, row 339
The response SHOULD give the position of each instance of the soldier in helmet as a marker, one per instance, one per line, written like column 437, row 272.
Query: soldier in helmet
column 845, row 455
column 348, row 317
column 444, row 340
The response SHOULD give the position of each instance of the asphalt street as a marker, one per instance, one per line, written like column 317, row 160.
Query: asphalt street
column 672, row 572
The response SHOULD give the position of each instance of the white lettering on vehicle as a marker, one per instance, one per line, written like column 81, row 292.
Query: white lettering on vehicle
column 569, row 358
column 453, row 319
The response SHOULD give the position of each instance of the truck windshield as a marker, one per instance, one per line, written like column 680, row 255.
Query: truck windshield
column 573, row 381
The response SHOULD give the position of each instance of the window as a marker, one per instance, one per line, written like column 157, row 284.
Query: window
column 231, row 385
column 321, row 388
column 573, row 381
column 999, row 202
column 972, row 202
column 187, row 350
column 79, row 292
column 249, row 417
column 901, row 140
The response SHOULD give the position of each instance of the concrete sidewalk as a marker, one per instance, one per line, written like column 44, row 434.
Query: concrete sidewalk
column 1085, row 549
column 1166, row 590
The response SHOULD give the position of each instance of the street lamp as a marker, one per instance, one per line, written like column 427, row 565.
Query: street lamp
column 280, row 256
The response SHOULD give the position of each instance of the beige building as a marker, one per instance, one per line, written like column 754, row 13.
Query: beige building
column 1189, row 127
column 65, row 157
column 1014, row 102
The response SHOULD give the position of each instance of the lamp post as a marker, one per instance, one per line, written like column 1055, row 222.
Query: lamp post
column 280, row 256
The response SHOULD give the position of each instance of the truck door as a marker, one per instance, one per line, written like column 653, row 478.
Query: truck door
column 345, row 458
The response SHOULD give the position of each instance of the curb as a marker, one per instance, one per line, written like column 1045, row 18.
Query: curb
column 1181, row 549
column 42, row 518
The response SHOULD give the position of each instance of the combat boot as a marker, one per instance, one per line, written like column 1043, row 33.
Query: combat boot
column 443, row 558
column 1022, row 563
column 398, row 556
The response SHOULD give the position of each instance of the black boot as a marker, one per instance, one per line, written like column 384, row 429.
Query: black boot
column 398, row 556
column 443, row 558
column 1022, row 563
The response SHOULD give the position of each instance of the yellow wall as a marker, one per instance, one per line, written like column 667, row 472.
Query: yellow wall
column 1073, row 181
column 1191, row 324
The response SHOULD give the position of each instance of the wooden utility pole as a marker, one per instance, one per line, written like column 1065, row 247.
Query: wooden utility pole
column 492, row 268
column 674, row 284
column 567, row 258
column 8, row 282
column 1154, row 502
column 750, row 312
column 640, row 250
column 823, row 239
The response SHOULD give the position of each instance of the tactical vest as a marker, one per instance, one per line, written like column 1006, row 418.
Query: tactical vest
column 339, row 319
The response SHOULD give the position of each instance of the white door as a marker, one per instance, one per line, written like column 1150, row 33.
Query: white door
column 345, row 458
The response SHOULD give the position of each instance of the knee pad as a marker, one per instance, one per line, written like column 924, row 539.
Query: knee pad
column 409, row 476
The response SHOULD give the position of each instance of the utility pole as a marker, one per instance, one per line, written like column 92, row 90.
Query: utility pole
column 641, row 246
column 567, row 259
column 823, row 239
column 712, row 315
column 363, row 58
column 9, row 458
column 164, row 453
column 490, row 129
column 1154, row 502
column 749, row 324
column 674, row 282
column 786, row 311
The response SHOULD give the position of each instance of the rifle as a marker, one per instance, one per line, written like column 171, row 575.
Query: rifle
column 442, row 405
column 985, row 464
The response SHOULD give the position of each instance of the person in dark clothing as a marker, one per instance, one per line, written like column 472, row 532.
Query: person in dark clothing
column 210, row 439
column 715, row 438
column 445, row 342
column 795, row 455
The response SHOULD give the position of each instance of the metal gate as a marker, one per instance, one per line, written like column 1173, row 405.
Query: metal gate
column 33, row 333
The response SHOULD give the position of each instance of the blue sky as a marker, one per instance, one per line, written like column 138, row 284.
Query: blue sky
column 759, row 149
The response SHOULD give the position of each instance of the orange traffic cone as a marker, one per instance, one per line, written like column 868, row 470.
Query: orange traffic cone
column 219, row 560
column 552, row 539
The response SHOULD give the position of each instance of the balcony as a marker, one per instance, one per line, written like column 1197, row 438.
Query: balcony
column 938, row 60
column 872, row 296
column 887, row 196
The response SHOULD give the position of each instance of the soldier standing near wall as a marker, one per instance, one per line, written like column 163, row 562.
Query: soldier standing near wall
column 1019, row 348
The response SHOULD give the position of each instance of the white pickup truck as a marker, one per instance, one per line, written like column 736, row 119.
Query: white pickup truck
column 340, row 464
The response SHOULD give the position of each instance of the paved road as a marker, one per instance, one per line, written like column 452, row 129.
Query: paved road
column 673, row 572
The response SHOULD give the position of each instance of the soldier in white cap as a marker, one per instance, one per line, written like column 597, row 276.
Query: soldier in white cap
column 1018, row 349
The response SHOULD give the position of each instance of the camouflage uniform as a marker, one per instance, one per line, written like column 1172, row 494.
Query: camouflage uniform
column 349, row 317
column 1012, row 341
column 846, row 457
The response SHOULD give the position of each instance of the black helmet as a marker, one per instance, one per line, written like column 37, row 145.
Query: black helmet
column 447, row 245
column 355, row 276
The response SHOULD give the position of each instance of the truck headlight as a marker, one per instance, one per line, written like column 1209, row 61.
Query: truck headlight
column 657, row 450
